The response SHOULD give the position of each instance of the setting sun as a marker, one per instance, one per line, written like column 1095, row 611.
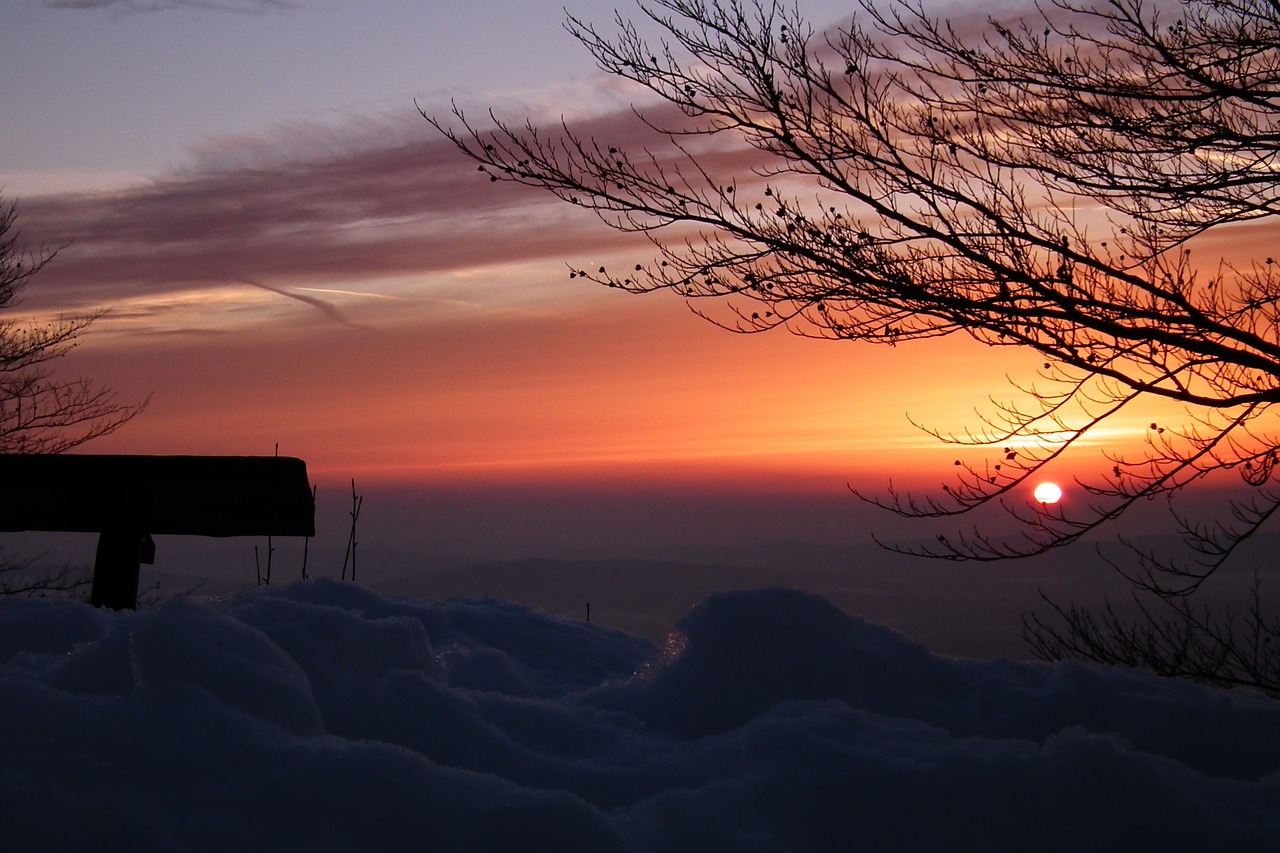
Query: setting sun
column 1048, row 493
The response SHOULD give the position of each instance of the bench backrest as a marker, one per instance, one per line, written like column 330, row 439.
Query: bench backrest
column 195, row 495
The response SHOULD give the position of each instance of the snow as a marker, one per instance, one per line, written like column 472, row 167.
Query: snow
column 322, row 716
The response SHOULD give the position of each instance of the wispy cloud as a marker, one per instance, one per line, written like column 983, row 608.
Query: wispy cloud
column 345, row 210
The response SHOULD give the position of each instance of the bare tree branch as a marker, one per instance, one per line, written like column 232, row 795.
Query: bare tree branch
column 1042, row 184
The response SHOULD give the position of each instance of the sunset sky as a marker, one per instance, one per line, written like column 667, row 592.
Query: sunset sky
column 293, row 256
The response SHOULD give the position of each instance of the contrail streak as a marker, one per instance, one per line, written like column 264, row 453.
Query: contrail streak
column 328, row 308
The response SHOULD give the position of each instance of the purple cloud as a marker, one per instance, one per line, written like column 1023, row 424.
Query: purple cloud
column 405, row 204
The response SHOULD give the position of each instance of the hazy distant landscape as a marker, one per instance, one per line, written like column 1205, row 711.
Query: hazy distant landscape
column 967, row 610
column 641, row 561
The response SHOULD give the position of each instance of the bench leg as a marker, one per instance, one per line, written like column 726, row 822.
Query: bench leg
column 115, row 570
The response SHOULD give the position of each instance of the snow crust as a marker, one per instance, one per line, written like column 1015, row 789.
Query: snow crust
column 323, row 716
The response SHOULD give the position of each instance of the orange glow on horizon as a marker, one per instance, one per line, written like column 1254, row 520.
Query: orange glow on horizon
column 621, row 391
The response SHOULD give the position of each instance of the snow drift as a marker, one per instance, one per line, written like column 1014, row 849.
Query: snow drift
column 324, row 717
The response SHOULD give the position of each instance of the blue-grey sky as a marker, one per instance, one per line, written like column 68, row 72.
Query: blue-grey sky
column 107, row 91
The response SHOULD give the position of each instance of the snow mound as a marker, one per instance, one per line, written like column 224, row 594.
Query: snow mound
column 325, row 717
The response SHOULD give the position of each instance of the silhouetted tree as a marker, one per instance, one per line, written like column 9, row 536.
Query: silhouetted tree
column 1036, row 184
column 39, row 411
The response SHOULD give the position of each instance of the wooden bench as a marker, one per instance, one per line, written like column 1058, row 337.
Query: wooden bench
column 127, row 499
